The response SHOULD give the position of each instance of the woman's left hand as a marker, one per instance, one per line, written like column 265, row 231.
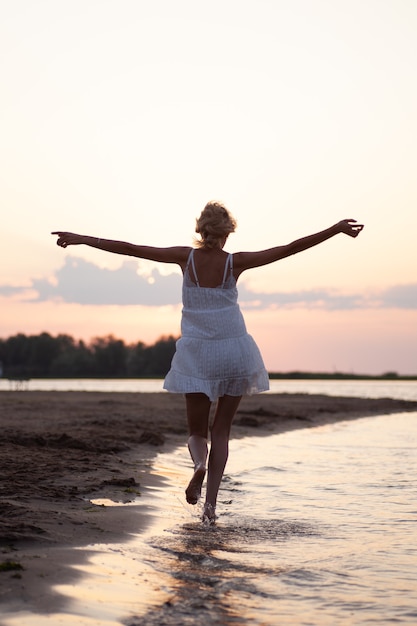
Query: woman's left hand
column 350, row 227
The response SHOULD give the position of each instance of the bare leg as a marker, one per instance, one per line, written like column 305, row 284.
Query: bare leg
column 220, row 433
column 198, row 411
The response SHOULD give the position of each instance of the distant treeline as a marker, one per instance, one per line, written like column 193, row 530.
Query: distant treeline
column 45, row 356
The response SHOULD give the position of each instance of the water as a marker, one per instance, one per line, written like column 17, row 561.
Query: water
column 316, row 526
column 397, row 389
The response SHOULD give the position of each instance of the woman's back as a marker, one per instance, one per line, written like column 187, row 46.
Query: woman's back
column 209, row 268
column 211, row 312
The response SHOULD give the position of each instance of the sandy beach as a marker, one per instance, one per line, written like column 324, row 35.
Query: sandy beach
column 61, row 450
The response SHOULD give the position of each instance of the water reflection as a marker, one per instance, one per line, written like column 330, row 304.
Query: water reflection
column 214, row 571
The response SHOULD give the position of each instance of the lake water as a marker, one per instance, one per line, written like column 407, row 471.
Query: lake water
column 398, row 389
column 316, row 526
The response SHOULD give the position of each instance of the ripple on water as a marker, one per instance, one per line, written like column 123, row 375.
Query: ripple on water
column 215, row 570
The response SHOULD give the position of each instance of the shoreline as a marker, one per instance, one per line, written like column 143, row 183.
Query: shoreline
column 61, row 450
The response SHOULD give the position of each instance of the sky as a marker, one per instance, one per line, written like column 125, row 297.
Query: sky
column 121, row 119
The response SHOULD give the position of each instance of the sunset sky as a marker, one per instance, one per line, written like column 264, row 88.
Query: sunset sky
column 121, row 119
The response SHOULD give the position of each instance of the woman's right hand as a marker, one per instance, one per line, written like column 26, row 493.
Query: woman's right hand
column 67, row 239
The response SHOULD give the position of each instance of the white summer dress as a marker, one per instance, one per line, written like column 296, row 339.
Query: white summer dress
column 215, row 355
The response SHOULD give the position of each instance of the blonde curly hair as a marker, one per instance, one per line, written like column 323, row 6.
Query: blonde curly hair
column 214, row 224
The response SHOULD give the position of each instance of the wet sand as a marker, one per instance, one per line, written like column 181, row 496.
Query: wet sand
column 61, row 450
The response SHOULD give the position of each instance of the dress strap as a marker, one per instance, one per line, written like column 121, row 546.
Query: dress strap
column 227, row 267
column 191, row 258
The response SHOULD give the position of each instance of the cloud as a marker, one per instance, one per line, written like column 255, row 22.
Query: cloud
column 82, row 282
column 400, row 297
column 85, row 283
column 8, row 290
column 313, row 298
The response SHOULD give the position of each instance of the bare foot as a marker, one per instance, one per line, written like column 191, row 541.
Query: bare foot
column 209, row 514
column 193, row 491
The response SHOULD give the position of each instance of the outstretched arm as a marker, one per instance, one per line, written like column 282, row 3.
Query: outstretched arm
column 246, row 260
column 175, row 254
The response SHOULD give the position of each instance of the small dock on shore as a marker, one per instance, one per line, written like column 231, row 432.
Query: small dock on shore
column 19, row 383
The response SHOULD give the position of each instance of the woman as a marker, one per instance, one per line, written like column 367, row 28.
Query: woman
column 216, row 360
